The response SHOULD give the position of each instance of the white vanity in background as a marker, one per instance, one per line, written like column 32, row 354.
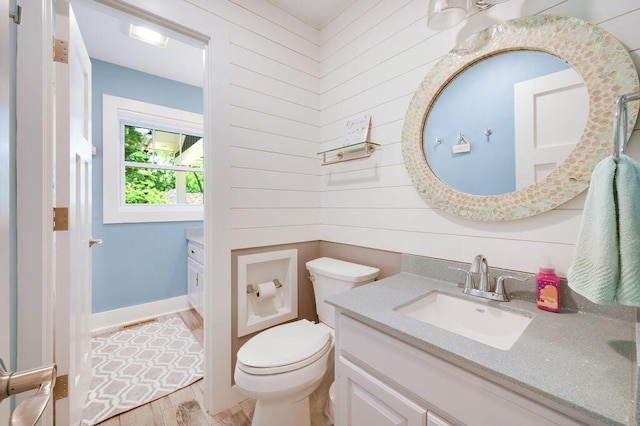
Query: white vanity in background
column 195, row 268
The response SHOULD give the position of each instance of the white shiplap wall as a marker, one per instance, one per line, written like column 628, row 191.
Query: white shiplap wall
column 294, row 87
column 274, row 115
column 372, row 59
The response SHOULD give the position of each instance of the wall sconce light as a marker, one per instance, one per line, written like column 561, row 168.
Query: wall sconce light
column 448, row 13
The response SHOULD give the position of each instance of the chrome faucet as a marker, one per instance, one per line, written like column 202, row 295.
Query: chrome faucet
column 484, row 289
column 481, row 266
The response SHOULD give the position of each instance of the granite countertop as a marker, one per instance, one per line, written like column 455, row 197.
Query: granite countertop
column 575, row 362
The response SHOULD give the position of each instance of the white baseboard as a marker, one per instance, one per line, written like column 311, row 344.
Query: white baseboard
column 131, row 314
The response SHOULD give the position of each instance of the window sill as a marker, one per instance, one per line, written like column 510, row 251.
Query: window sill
column 147, row 214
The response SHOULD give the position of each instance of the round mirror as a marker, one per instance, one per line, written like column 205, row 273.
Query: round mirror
column 505, row 122
column 512, row 122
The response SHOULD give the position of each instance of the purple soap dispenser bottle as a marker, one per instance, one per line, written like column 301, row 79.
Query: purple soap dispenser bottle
column 548, row 289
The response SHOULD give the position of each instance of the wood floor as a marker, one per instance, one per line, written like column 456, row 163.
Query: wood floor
column 185, row 406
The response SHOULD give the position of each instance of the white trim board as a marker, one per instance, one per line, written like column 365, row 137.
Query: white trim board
column 5, row 190
column 131, row 314
column 35, row 145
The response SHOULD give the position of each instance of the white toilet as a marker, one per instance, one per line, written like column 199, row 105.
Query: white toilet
column 280, row 367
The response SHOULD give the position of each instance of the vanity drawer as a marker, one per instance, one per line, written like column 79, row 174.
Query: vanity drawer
column 195, row 251
column 365, row 400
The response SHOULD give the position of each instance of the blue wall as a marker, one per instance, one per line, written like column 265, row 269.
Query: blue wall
column 139, row 262
column 472, row 102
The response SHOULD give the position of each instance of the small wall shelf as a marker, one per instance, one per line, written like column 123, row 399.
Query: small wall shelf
column 347, row 153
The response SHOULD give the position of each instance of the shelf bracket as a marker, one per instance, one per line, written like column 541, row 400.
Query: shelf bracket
column 351, row 152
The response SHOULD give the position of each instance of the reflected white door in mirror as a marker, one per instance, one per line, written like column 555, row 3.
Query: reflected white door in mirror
column 532, row 141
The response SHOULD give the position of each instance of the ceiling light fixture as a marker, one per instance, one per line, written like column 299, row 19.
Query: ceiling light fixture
column 448, row 13
column 148, row 36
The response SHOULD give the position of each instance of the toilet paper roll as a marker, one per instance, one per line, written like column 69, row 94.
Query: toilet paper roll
column 265, row 291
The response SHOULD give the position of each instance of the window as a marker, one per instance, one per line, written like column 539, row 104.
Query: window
column 153, row 163
column 162, row 167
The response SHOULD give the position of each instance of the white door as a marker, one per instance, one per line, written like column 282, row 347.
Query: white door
column 550, row 114
column 5, row 320
column 73, row 190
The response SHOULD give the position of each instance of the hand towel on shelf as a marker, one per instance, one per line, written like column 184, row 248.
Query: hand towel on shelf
column 628, row 192
column 595, row 270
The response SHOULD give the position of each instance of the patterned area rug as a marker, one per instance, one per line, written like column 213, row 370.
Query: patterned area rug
column 138, row 365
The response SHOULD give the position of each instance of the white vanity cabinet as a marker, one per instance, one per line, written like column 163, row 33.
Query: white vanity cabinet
column 373, row 402
column 195, row 276
column 381, row 380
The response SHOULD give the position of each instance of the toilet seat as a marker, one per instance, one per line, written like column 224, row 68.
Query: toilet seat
column 284, row 348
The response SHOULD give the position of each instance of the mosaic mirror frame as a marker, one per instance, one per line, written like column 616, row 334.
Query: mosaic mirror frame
column 599, row 58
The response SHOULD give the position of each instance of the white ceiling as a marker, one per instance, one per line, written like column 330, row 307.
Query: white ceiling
column 317, row 13
column 106, row 35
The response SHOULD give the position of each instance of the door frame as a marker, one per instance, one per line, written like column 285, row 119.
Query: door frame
column 5, row 199
column 36, row 211
column 34, row 183
column 214, row 33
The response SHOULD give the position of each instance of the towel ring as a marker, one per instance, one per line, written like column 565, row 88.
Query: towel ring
column 619, row 121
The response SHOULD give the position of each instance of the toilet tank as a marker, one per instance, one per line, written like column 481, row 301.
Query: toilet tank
column 331, row 276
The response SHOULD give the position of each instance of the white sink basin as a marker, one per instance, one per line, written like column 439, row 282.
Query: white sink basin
column 492, row 326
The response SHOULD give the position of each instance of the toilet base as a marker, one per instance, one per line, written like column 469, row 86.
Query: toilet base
column 330, row 406
column 294, row 413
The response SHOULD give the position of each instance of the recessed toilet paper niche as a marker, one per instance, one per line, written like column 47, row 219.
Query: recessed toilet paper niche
column 259, row 310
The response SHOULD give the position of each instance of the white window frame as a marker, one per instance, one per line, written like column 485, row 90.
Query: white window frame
column 115, row 110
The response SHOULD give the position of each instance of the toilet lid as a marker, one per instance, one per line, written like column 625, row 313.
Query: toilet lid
column 341, row 270
column 283, row 345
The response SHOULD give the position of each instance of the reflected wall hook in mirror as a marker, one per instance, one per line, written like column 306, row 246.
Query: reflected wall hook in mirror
column 462, row 139
column 488, row 132
column 462, row 146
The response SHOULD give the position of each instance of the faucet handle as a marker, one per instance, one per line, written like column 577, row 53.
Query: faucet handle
column 500, row 288
column 469, row 281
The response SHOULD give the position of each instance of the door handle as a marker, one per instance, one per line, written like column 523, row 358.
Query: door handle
column 93, row 242
column 28, row 411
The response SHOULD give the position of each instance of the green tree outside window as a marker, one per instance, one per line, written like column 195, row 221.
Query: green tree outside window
column 157, row 185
